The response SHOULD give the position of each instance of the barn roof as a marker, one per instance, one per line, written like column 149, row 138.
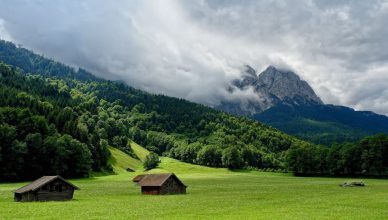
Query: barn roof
column 40, row 182
column 157, row 179
column 138, row 178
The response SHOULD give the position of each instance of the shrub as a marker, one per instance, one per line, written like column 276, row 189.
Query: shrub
column 151, row 161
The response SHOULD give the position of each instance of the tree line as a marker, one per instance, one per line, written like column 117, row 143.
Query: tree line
column 367, row 157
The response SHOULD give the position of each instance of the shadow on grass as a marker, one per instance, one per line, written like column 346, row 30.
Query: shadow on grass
column 240, row 170
column 342, row 176
column 95, row 174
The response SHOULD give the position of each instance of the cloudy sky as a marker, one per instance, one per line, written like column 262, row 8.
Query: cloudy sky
column 192, row 49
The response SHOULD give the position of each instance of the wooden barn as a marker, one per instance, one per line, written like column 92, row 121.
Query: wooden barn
column 46, row 188
column 161, row 184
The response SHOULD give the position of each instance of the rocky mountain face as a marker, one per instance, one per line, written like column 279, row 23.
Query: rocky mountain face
column 284, row 101
column 259, row 92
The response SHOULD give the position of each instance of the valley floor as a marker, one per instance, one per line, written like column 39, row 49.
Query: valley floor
column 212, row 194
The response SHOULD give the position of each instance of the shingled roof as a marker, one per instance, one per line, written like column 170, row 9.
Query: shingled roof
column 41, row 182
column 157, row 179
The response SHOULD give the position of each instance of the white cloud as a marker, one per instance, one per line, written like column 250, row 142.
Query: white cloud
column 192, row 49
column 4, row 35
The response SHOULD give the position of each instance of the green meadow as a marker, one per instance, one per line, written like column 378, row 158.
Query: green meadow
column 211, row 194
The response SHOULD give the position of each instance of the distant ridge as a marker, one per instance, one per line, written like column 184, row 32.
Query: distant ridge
column 22, row 58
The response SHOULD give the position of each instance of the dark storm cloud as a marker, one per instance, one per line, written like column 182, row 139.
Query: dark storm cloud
column 192, row 49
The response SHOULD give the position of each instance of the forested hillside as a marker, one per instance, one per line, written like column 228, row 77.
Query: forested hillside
column 55, row 123
column 43, row 130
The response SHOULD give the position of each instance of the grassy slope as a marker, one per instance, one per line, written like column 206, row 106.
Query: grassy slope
column 121, row 161
column 212, row 194
column 139, row 151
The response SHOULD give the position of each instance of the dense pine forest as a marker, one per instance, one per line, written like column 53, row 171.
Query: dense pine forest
column 56, row 120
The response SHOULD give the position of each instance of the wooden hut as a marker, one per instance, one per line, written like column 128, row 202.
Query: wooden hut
column 161, row 184
column 46, row 188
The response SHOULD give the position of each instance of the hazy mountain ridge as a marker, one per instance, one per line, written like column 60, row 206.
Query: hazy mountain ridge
column 28, row 62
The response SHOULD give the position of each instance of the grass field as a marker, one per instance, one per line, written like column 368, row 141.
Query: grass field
column 212, row 194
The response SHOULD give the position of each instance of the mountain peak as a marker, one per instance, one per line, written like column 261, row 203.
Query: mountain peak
column 287, row 85
column 270, row 67
column 272, row 86
column 273, row 72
